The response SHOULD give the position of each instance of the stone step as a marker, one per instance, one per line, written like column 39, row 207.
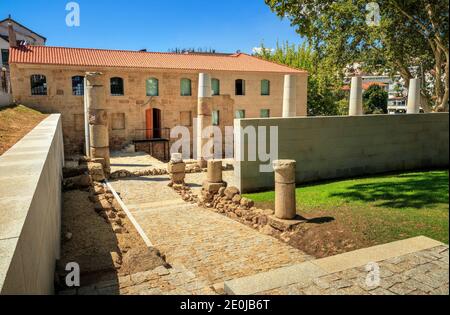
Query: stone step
column 306, row 272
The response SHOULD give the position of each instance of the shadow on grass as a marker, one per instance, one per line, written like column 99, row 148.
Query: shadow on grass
column 321, row 220
column 416, row 191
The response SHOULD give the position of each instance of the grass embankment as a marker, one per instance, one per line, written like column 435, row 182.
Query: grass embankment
column 378, row 210
column 15, row 122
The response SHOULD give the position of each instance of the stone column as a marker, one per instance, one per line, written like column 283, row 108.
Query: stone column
column 414, row 96
column 356, row 98
column 176, row 169
column 204, row 115
column 214, row 179
column 285, row 202
column 214, row 174
column 98, row 120
column 290, row 96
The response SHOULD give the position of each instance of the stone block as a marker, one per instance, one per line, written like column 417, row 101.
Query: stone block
column 284, row 225
column 177, row 177
column 213, row 187
column 176, row 167
column 230, row 192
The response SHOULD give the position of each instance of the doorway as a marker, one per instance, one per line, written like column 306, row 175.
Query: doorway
column 153, row 123
column 156, row 123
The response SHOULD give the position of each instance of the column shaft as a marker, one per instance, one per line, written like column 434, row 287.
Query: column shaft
column 414, row 96
column 204, row 109
column 98, row 120
column 290, row 96
column 356, row 97
column 285, row 200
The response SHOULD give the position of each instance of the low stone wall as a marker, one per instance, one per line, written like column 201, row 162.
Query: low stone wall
column 30, row 203
column 343, row 147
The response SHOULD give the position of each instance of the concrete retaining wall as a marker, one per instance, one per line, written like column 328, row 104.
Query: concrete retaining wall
column 30, row 206
column 343, row 147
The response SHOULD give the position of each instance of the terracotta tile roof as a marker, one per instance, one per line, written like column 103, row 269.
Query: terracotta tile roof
column 149, row 60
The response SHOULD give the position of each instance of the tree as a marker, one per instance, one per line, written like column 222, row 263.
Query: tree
column 412, row 34
column 375, row 100
column 323, row 87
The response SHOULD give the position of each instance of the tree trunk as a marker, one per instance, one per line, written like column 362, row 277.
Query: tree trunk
column 438, row 76
column 443, row 106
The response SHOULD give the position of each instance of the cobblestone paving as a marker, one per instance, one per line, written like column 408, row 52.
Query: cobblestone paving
column 420, row 273
column 176, row 280
column 133, row 162
column 212, row 248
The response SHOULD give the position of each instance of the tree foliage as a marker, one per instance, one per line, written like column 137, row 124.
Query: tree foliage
column 412, row 37
column 375, row 100
column 323, row 87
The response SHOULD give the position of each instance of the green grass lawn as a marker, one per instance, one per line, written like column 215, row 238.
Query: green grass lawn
column 381, row 209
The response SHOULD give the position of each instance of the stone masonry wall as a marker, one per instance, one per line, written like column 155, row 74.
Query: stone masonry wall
column 127, row 113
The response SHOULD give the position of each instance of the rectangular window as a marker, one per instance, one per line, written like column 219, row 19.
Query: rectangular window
column 265, row 87
column 265, row 113
column 38, row 84
column 240, row 87
column 186, row 87
column 186, row 118
column 117, row 86
column 240, row 114
column 5, row 56
column 215, row 118
column 215, row 86
column 152, row 87
column 78, row 85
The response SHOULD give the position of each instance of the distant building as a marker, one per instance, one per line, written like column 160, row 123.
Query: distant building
column 397, row 91
column 397, row 105
column 21, row 35
column 148, row 93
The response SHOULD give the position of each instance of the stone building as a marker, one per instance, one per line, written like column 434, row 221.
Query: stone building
column 12, row 33
column 145, row 93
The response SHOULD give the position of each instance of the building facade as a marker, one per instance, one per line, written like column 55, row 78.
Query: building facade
column 147, row 94
column 21, row 36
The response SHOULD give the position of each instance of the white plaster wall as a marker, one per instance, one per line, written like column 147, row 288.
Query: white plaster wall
column 30, row 201
column 22, row 33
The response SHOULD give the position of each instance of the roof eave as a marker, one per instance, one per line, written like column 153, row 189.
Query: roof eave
column 294, row 71
column 21, row 25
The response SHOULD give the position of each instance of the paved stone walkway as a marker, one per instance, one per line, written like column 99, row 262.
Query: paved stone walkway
column 204, row 248
column 133, row 162
column 421, row 273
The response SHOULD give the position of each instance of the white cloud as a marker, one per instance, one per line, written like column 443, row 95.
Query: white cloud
column 260, row 50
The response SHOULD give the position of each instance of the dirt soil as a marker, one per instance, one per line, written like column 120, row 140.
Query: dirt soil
column 15, row 123
column 323, row 236
column 89, row 240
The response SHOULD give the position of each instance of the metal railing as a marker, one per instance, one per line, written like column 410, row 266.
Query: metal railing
column 152, row 134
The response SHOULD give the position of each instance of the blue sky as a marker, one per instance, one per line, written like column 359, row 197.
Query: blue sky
column 157, row 25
